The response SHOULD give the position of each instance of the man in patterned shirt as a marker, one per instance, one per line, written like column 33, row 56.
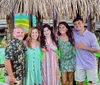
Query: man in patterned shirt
column 15, row 58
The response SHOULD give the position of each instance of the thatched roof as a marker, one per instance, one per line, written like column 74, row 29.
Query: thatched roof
column 64, row 8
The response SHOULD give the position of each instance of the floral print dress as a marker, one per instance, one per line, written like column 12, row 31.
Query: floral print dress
column 67, row 58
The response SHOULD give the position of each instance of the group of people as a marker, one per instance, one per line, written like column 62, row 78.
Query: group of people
column 35, row 60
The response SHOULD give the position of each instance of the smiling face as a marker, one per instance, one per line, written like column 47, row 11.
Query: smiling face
column 79, row 25
column 62, row 29
column 46, row 32
column 34, row 34
column 18, row 33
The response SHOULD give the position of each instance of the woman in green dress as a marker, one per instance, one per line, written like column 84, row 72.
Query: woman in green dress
column 67, row 58
column 33, row 70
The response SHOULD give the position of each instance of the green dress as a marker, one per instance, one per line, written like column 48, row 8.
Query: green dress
column 33, row 70
column 67, row 58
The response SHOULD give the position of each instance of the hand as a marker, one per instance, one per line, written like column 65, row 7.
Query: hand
column 11, row 79
column 81, row 46
column 43, row 49
column 54, row 48
column 99, row 51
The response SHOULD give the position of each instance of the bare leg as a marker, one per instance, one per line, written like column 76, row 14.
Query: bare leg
column 90, row 83
column 64, row 78
column 70, row 78
column 80, row 83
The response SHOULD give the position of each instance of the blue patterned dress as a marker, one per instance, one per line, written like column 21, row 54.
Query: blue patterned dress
column 67, row 58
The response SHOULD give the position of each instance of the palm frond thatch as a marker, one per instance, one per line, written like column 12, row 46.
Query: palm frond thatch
column 65, row 8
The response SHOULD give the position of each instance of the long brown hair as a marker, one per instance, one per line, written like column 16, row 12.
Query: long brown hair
column 29, row 38
column 42, row 39
column 69, row 33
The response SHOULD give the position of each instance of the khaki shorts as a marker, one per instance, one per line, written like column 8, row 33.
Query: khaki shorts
column 81, row 74
column 3, row 83
column 17, row 82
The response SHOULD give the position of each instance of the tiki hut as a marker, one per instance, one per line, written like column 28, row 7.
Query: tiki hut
column 64, row 8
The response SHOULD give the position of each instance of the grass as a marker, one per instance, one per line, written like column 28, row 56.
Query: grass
column 2, row 75
column 0, row 39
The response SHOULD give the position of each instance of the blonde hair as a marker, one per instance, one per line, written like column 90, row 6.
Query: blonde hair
column 29, row 38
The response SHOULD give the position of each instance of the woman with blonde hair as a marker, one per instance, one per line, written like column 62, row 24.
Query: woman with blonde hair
column 33, row 72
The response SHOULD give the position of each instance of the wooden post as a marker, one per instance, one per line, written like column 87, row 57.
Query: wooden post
column 88, row 19
column 12, row 20
column 9, row 26
column 30, row 20
column 92, row 23
column 39, row 21
column 54, row 20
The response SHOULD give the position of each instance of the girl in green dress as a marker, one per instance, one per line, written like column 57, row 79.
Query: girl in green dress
column 33, row 71
column 67, row 58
